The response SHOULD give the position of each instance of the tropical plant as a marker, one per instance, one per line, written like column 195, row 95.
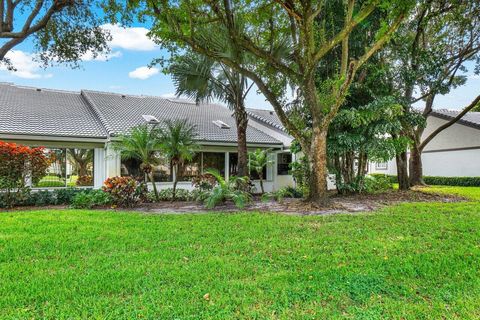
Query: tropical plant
column 91, row 198
column 430, row 56
column 287, row 42
column 125, row 191
column 177, row 145
column 18, row 163
column 203, row 79
column 224, row 190
column 257, row 162
column 141, row 143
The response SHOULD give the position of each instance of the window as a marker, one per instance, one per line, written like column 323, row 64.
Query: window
column 283, row 163
column 381, row 166
column 214, row 160
column 79, row 167
column 190, row 169
column 70, row 168
column 131, row 168
column 233, row 164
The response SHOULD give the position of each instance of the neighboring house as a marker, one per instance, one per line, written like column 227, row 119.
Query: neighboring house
column 72, row 123
column 454, row 152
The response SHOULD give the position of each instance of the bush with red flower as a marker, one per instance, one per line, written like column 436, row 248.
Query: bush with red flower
column 19, row 163
column 125, row 191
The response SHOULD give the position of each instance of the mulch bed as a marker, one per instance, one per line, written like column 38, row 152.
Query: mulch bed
column 338, row 204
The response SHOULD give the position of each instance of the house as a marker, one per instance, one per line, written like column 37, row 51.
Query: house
column 79, row 128
column 454, row 152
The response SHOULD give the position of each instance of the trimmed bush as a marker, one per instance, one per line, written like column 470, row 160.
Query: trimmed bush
column 441, row 181
column 125, row 191
column 91, row 198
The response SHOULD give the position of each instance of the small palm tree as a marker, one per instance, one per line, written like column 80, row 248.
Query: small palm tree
column 257, row 161
column 203, row 79
column 227, row 190
column 177, row 145
column 141, row 143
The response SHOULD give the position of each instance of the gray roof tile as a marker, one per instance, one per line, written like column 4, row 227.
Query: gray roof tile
column 268, row 117
column 471, row 119
column 121, row 112
column 29, row 111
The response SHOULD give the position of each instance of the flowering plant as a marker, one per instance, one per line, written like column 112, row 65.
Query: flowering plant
column 125, row 191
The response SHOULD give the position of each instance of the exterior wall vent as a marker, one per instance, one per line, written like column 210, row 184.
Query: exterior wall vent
column 221, row 124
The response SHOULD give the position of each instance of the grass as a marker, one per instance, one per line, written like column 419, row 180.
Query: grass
column 472, row 193
column 412, row 261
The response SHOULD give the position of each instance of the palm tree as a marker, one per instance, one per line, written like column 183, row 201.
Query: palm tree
column 257, row 161
column 141, row 143
column 202, row 79
column 177, row 145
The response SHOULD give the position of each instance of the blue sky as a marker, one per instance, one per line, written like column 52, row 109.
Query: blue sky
column 126, row 71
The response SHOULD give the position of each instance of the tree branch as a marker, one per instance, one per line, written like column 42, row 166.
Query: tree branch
column 432, row 135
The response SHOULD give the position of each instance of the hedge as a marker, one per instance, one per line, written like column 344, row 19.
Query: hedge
column 442, row 181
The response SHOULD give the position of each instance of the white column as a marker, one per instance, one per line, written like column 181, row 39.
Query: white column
column 99, row 174
column 112, row 162
column 227, row 165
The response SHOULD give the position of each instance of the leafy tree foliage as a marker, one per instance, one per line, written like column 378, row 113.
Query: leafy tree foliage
column 141, row 143
column 429, row 54
column 202, row 79
column 177, row 145
column 288, row 41
column 62, row 30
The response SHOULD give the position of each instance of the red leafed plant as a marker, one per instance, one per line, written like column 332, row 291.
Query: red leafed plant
column 18, row 163
column 125, row 191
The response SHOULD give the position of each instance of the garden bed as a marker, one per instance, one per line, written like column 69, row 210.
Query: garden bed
column 338, row 204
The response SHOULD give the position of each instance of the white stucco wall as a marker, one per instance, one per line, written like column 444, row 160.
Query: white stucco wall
column 444, row 156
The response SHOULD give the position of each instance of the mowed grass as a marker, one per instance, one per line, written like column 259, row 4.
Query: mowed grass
column 472, row 193
column 412, row 261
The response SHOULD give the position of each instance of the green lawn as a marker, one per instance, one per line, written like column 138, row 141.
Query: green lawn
column 412, row 261
column 472, row 193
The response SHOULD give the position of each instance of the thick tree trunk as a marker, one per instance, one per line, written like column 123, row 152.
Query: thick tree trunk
column 261, row 183
column 241, row 120
column 416, row 166
column 402, row 171
column 317, row 157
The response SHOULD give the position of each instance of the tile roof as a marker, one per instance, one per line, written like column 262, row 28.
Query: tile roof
column 268, row 117
column 471, row 119
column 31, row 111
column 121, row 112
column 100, row 114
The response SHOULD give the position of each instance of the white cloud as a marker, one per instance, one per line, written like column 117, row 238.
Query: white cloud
column 143, row 73
column 101, row 57
column 134, row 38
column 25, row 65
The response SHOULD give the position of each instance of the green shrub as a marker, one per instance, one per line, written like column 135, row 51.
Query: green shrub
column 228, row 190
column 65, row 196
column 91, row 198
column 442, row 181
column 377, row 184
column 181, row 194
column 125, row 191
column 50, row 184
column 285, row 192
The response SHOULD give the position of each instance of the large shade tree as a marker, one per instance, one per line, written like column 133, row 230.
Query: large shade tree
column 288, row 41
column 61, row 30
column 429, row 53
column 203, row 79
